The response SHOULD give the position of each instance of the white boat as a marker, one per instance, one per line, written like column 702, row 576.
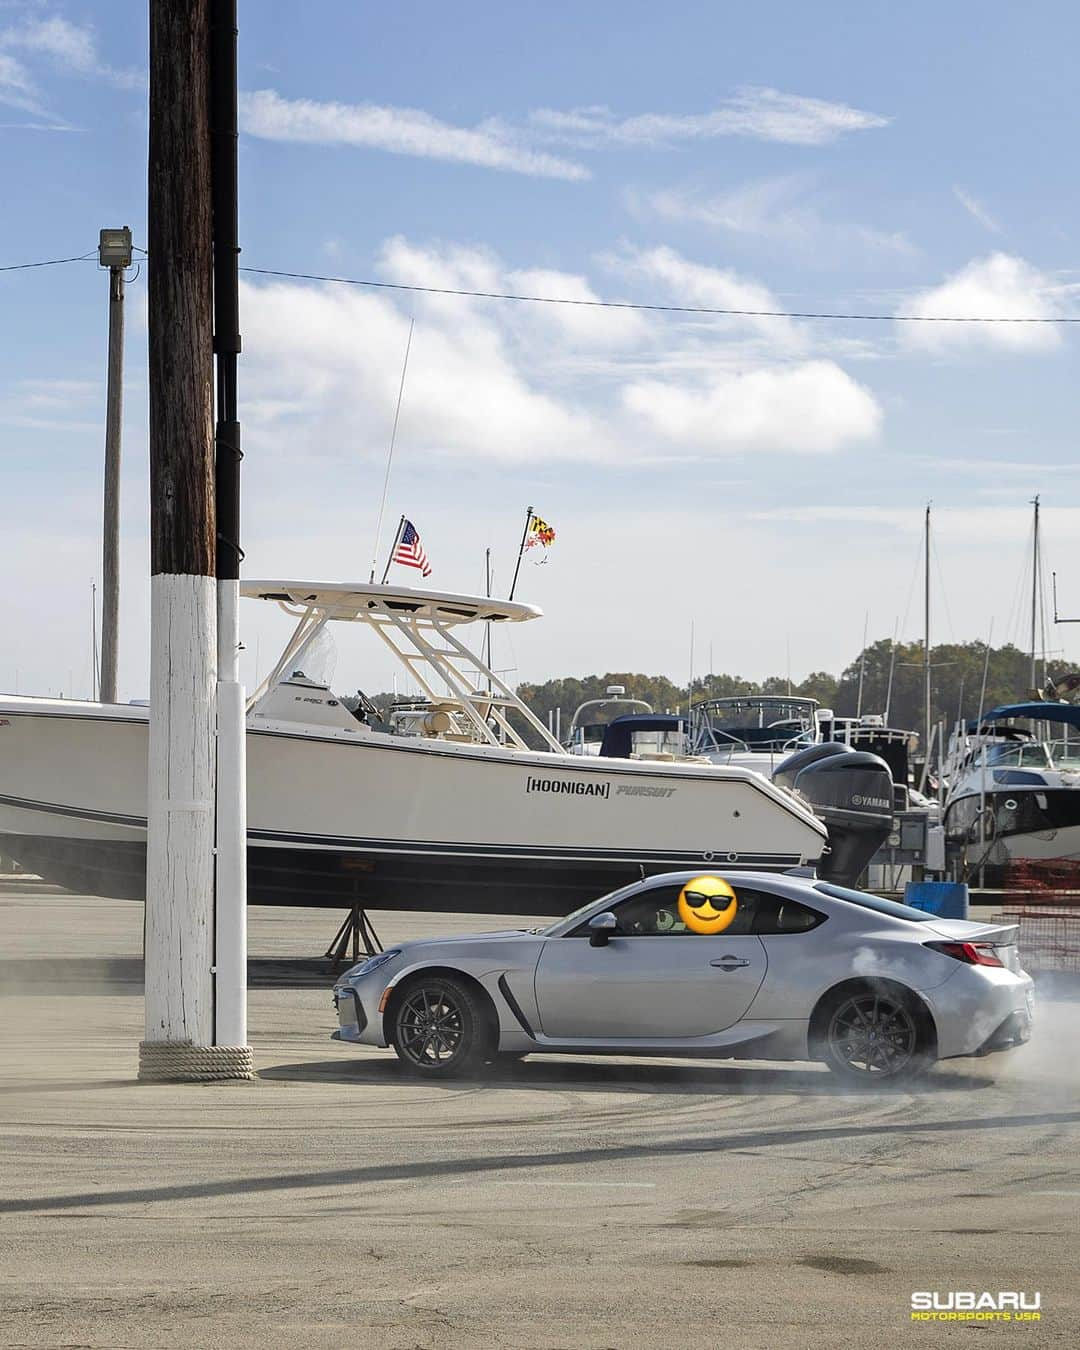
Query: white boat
column 1009, row 799
column 586, row 734
column 480, row 809
column 755, row 731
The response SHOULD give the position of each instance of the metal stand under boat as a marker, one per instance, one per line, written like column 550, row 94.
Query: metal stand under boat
column 357, row 928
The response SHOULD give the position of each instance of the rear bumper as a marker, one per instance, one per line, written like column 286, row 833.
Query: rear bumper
column 1013, row 1031
column 982, row 1009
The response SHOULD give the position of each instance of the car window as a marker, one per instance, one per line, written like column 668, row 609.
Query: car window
column 778, row 914
column 655, row 913
column 875, row 902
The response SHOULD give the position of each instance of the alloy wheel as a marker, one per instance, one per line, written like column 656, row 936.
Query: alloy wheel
column 873, row 1036
column 430, row 1027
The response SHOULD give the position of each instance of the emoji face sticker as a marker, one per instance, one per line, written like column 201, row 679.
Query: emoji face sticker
column 707, row 905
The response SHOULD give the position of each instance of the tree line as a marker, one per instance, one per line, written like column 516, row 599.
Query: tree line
column 956, row 679
column 891, row 677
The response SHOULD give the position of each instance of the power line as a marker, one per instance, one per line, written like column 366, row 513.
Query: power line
column 49, row 262
column 715, row 310
column 662, row 309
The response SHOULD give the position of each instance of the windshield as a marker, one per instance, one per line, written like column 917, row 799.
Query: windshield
column 1028, row 756
column 754, row 723
column 875, row 902
column 657, row 743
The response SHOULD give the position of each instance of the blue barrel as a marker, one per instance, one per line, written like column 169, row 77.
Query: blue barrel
column 946, row 899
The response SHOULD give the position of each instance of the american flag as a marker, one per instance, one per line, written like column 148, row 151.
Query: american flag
column 409, row 551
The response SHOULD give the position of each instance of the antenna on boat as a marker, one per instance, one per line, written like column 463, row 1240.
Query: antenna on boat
column 1035, row 567
column 892, row 669
column 690, row 685
column 926, row 644
column 93, row 642
column 986, row 670
column 487, row 625
column 862, row 666
column 390, row 454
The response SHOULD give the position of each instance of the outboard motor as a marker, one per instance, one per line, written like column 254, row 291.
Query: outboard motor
column 851, row 791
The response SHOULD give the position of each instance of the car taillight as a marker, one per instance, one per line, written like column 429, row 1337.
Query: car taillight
column 971, row 953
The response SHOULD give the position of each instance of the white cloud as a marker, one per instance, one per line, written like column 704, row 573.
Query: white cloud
column 998, row 286
column 760, row 113
column 775, row 209
column 976, row 210
column 323, row 367
column 402, row 131
column 587, row 324
column 687, row 282
column 17, row 87
column 72, row 48
column 501, row 383
column 810, row 407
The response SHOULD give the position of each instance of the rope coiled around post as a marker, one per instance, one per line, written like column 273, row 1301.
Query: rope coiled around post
column 183, row 1062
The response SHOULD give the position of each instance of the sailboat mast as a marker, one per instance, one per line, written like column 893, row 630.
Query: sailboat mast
column 926, row 642
column 1034, row 591
column 487, row 626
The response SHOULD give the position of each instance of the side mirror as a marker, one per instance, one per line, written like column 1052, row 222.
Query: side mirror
column 601, row 927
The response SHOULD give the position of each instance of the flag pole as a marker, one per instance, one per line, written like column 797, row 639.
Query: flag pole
column 521, row 550
column 393, row 549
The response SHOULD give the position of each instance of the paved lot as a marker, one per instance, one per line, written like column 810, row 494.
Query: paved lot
column 563, row 1204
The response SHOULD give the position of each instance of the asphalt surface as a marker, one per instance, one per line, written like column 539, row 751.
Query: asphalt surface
column 565, row 1203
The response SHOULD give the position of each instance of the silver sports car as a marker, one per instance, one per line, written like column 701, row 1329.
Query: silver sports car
column 752, row 966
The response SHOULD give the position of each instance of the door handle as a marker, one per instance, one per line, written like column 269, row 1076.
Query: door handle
column 729, row 962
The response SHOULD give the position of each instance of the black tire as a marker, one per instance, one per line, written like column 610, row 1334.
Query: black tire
column 440, row 1028
column 875, row 1035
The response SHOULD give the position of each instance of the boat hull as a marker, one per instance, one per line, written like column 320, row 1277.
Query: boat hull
column 389, row 822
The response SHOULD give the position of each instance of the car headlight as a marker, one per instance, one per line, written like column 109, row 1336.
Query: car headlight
column 372, row 963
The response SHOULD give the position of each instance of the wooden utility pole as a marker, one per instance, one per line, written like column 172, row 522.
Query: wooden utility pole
column 179, row 1032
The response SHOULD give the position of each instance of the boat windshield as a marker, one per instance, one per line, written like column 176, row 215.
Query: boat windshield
column 591, row 733
column 755, row 723
column 1019, row 755
column 657, row 743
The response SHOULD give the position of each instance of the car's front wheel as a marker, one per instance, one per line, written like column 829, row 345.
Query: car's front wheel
column 875, row 1035
column 439, row 1027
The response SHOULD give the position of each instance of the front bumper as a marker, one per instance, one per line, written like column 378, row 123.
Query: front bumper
column 352, row 1019
column 359, row 1019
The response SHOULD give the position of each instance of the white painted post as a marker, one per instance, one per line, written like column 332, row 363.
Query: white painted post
column 231, row 911
column 180, row 845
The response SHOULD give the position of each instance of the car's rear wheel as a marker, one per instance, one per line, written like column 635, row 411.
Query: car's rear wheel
column 440, row 1028
column 873, row 1035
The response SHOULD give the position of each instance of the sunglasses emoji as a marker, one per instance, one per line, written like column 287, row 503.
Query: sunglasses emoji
column 707, row 905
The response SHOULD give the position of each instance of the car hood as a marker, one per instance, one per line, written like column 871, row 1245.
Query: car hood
column 500, row 935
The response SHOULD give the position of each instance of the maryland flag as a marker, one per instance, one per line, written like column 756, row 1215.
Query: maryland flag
column 540, row 532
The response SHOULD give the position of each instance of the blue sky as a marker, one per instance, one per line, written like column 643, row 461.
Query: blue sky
column 763, row 478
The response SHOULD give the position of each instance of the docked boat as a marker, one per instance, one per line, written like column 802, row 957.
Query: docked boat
column 1009, row 798
column 478, row 809
column 755, row 731
column 587, row 726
